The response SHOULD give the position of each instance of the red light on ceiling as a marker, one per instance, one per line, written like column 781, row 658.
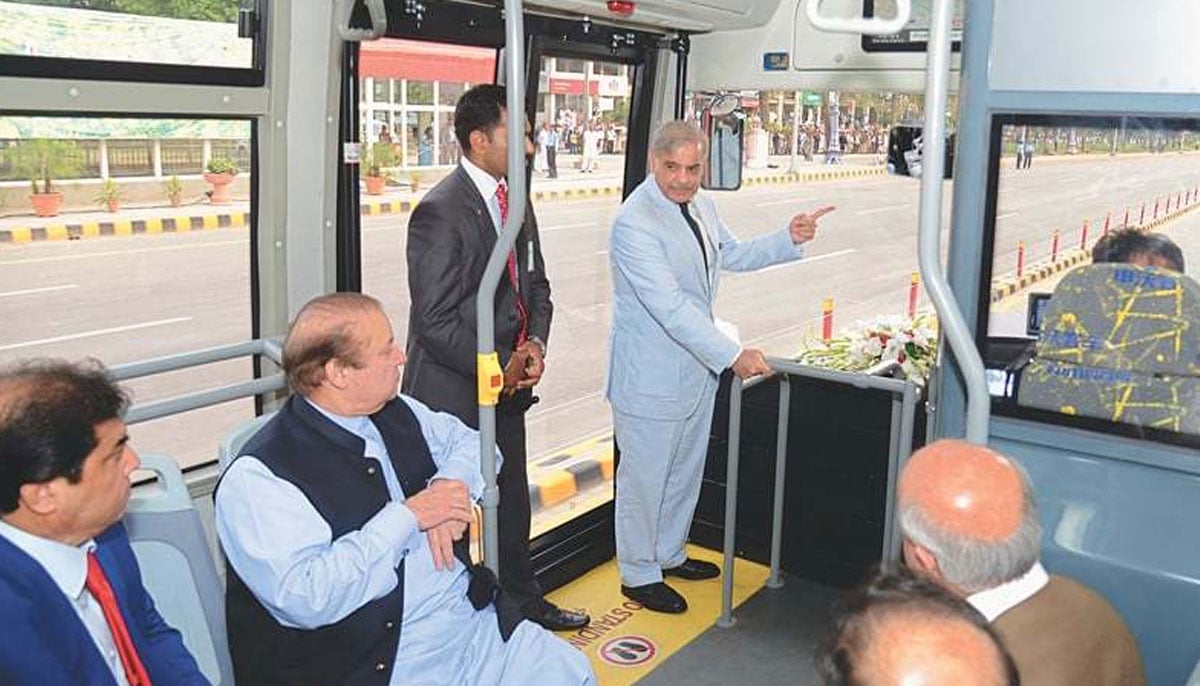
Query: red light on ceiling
column 621, row 7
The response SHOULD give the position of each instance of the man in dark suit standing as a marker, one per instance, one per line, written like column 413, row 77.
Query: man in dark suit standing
column 450, row 237
column 71, row 596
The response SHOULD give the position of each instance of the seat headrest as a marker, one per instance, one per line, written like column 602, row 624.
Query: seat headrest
column 1124, row 317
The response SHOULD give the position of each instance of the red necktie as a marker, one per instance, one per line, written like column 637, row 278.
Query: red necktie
column 97, row 584
column 522, row 314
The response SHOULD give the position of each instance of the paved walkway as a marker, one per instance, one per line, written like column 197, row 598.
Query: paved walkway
column 572, row 184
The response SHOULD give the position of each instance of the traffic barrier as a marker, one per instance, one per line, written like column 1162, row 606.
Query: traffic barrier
column 1054, row 246
column 1142, row 218
column 914, row 289
column 1083, row 234
column 827, row 319
column 1020, row 259
column 1124, row 224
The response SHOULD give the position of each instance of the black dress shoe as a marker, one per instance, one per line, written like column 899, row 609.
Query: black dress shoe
column 555, row 618
column 694, row 570
column 658, row 597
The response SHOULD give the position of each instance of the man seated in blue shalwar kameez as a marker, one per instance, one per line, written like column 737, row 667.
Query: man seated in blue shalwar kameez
column 343, row 522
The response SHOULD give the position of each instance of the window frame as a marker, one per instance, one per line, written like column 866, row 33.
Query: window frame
column 1008, row 407
column 74, row 68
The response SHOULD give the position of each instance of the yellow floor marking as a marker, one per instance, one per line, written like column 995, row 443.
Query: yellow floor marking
column 615, row 617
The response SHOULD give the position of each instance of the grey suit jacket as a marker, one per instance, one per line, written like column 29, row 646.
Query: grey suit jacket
column 665, row 352
column 450, row 237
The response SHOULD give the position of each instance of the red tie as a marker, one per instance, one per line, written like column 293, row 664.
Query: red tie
column 522, row 314
column 97, row 584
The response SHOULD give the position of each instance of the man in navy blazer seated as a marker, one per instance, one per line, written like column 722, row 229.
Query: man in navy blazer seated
column 343, row 522
column 667, row 250
column 72, row 606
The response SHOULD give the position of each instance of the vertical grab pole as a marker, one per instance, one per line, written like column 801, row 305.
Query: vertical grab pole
column 726, row 620
column 957, row 333
column 490, row 375
column 781, row 441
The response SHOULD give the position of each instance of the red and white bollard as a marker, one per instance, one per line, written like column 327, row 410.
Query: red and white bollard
column 1054, row 247
column 914, row 289
column 1142, row 218
column 1155, row 209
column 1124, row 224
column 1020, row 259
column 827, row 319
column 1083, row 234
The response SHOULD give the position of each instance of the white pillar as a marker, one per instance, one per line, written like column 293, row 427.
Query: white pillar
column 157, row 156
column 792, row 166
column 402, row 130
column 103, row 158
column 206, row 153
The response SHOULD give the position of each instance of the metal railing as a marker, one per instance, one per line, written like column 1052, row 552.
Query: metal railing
column 904, row 404
column 264, row 347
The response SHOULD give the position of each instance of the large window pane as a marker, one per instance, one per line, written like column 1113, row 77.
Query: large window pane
column 165, row 269
column 1063, row 185
column 178, row 33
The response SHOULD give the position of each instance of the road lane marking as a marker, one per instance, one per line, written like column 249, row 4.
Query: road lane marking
column 97, row 332
column 111, row 253
column 792, row 201
column 563, row 406
column 47, row 289
column 561, row 227
column 807, row 260
column 886, row 208
column 1006, row 215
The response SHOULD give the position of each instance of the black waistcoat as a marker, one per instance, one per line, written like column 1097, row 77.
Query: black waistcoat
column 324, row 461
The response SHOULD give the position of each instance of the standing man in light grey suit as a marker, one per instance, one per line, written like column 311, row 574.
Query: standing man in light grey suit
column 667, row 248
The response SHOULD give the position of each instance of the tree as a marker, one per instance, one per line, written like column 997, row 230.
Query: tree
column 44, row 159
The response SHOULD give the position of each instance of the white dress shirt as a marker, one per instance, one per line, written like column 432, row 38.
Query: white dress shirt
column 67, row 566
column 486, row 184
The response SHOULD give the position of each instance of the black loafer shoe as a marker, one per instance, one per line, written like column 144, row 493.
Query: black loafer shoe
column 658, row 597
column 555, row 618
column 694, row 570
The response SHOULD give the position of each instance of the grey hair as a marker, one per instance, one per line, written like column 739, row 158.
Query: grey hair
column 972, row 565
column 674, row 134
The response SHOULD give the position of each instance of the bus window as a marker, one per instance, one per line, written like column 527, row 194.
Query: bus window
column 581, row 130
column 1063, row 184
column 408, row 89
column 134, row 40
column 128, row 239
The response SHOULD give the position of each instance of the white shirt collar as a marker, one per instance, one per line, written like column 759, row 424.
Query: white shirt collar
column 66, row 564
column 485, row 182
column 996, row 601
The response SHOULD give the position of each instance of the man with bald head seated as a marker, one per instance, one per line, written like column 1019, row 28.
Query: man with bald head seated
column 970, row 523
column 344, row 524
column 900, row 629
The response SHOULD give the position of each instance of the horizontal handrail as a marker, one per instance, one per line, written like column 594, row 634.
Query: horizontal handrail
column 899, row 447
column 269, row 348
column 193, row 401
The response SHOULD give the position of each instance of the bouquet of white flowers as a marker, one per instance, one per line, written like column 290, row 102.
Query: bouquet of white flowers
column 912, row 343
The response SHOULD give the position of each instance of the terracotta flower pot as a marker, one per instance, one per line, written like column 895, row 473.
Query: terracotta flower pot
column 220, row 187
column 113, row 205
column 46, row 204
column 375, row 185
column 176, row 199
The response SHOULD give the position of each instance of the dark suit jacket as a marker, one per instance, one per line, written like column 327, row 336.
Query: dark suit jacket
column 42, row 640
column 1066, row 634
column 450, row 237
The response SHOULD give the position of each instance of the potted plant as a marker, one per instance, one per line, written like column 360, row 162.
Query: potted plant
column 219, row 173
column 174, row 190
column 379, row 157
column 109, row 195
column 41, row 160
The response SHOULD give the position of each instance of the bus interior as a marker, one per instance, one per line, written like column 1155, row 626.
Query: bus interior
column 1055, row 124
